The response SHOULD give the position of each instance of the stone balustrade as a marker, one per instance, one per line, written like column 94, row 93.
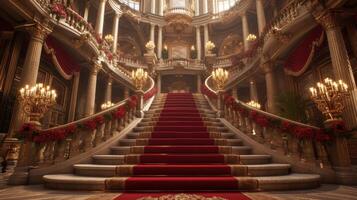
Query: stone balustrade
column 294, row 140
column 188, row 64
column 179, row 11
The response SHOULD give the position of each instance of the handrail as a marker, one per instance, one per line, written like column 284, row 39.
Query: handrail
column 113, row 108
column 261, row 111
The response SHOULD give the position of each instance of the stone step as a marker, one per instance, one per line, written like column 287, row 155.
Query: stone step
column 132, row 142
column 137, row 134
column 120, row 159
column 121, row 150
column 251, row 170
column 266, row 183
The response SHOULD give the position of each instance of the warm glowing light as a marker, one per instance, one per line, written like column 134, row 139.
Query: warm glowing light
column 220, row 77
column 139, row 77
column 109, row 38
column 251, row 38
column 254, row 104
column 193, row 48
column 37, row 99
column 210, row 46
column 107, row 105
column 328, row 96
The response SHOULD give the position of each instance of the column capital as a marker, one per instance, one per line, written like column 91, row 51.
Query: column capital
column 96, row 67
column 328, row 20
column 38, row 31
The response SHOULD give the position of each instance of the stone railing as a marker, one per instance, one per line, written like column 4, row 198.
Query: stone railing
column 179, row 11
column 293, row 140
column 285, row 16
column 131, row 62
column 183, row 63
column 42, row 148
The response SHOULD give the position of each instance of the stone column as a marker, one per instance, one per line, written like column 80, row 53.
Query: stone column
column 197, row 8
column 74, row 96
column 109, row 89
column 271, row 87
column 260, row 16
column 92, row 86
column 245, row 28
column 199, row 82
column 126, row 93
column 206, row 36
column 205, row 6
column 158, row 83
column 352, row 35
column 99, row 24
column 115, row 32
column 38, row 33
column 253, row 91
column 159, row 43
column 153, row 6
column 161, row 7
column 152, row 33
column 341, row 64
column 86, row 10
column 198, row 43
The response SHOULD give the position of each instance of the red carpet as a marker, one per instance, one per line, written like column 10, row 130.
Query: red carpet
column 227, row 196
column 181, row 155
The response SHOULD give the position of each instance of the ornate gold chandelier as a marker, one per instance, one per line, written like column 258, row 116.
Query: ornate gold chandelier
column 220, row 77
column 139, row 77
column 328, row 96
column 37, row 100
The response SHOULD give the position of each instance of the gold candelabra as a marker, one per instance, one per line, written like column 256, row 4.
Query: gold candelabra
column 36, row 100
column 220, row 77
column 139, row 77
column 107, row 105
column 251, row 38
column 254, row 104
column 328, row 96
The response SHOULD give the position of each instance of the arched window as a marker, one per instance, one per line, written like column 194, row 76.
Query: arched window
column 178, row 3
column 134, row 4
column 223, row 5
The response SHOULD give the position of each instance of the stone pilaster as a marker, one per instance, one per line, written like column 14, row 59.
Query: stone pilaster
column 341, row 64
column 205, row 6
column 260, row 15
column 206, row 35
column 245, row 28
column 100, row 17
column 197, row 7
column 91, row 91
column 109, row 89
column 74, row 96
column 271, row 87
column 159, row 43
column 198, row 43
column 153, row 6
column 115, row 32
column 161, row 7
column 253, row 91
column 152, row 33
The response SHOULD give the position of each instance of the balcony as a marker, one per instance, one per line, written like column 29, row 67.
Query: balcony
column 180, row 15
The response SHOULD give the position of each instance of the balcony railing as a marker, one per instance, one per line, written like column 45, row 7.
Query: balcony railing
column 179, row 11
column 181, row 63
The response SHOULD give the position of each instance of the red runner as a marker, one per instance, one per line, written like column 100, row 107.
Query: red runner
column 227, row 196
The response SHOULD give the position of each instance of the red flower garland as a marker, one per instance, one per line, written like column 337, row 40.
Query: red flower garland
column 132, row 102
column 119, row 113
column 59, row 10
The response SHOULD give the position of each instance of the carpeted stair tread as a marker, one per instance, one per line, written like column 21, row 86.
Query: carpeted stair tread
column 182, row 158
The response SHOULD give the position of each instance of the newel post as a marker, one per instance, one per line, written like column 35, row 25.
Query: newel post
column 140, row 103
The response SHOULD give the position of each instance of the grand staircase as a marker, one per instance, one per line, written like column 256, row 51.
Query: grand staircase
column 181, row 145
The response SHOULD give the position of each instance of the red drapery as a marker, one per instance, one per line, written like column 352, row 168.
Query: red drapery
column 300, row 58
column 60, row 57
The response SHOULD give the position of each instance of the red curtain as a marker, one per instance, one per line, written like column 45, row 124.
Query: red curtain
column 64, row 59
column 300, row 58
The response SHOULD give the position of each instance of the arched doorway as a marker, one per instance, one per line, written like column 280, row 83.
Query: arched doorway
column 179, row 84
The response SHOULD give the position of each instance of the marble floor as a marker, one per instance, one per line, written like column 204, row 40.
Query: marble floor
column 37, row 192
